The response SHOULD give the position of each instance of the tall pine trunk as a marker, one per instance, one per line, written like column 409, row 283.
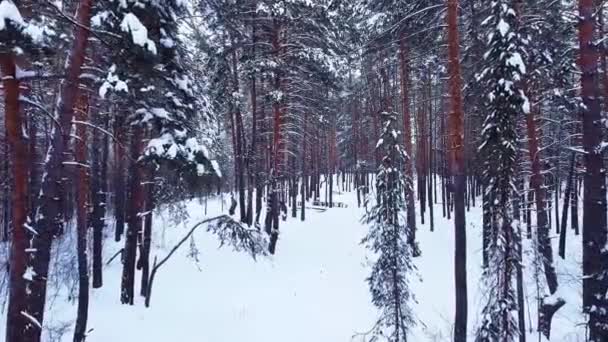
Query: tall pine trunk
column 50, row 220
column 595, row 228
column 82, row 209
column 98, row 197
column 543, row 227
column 272, row 225
column 240, row 140
column 18, row 327
column 564, row 222
column 6, row 195
column 135, row 210
column 120, row 192
column 456, row 163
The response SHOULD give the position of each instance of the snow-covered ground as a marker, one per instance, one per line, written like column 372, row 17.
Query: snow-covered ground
column 313, row 289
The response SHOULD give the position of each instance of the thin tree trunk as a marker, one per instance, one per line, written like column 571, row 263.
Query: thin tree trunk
column 430, row 157
column 82, row 208
column 487, row 226
column 136, row 207
column 98, row 197
column 252, row 157
column 574, row 202
column 147, row 234
column 6, row 205
column 519, row 271
column 120, row 192
column 240, row 140
column 543, row 227
column 277, row 149
column 304, row 170
column 407, row 134
column 564, row 222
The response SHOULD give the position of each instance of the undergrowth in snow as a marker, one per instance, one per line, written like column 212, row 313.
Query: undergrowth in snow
column 313, row 289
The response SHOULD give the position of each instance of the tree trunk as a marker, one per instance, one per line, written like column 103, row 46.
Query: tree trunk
column 50, row 220
column 34, row 185
column 252, row 168
column 277, row 147
column 564, row 222
column 98, row 195
column 304, row 170
column 82, row 209
column 429, row 165
column 6, row 196
column 456, row 158
column 594, row 202
column 18, row 327
column 521, row 319
column 574, row 202
column 240, row 140
column 144, row 258
column 543, row 228
column 134, row 227
column 120, row 192
column 487, row 226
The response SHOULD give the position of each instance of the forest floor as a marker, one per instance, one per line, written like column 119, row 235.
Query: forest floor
column 313, row 289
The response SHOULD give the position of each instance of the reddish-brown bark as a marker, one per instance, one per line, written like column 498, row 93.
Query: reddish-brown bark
column 456, row 164
column 17, row 325
column 50, row 220
column 595, row 228
column 277, row 107
column 407, row 133
column 82, row 208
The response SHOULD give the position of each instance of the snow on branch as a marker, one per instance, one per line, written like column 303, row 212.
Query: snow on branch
column 31, row 319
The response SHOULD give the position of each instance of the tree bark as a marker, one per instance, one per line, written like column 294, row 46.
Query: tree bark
column 538, row 181
column 564, row 222
column 277, row 147
column 50, row 220
column 252, row 157
column 6, row 196
column 543, row 227
column 120, row 193
column 134, row 227
column 456, row 158
column 98, row 197
column 144, row 258
column 82, row 209
column 594, row 201
column 240, row 139
column 574, row 201
column 18, row 326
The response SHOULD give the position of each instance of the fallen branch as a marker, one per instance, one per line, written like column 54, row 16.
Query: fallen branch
column 241, row 238
column 114, row 256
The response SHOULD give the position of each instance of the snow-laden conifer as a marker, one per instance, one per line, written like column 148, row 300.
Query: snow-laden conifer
column 505, row 102
column 146, row 68
column 387, row 238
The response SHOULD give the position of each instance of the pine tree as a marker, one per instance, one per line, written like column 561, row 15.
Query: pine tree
column 388, row 236
column 146, row 69
column 20, row 38
column 595, row 228
column 457, row 171
column 504, row 104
